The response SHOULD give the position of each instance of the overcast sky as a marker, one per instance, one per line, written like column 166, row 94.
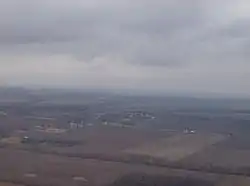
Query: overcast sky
column 198, row 46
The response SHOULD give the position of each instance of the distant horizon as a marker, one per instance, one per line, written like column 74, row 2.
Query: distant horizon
column 134, row 92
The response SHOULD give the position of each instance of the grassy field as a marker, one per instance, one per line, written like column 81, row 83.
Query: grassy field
column 178, row 146
column 234, row 181
column 232, row 159
column 101, row 140
column 9, row 184
column 55, row 170
column 51, row 163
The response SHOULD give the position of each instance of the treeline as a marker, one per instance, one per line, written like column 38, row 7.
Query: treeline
column 151, row 161
column 58, row 142
column 136, row 179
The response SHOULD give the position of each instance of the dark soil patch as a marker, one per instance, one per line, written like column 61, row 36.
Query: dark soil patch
column 138, row 179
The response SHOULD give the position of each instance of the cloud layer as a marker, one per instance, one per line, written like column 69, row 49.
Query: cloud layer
column 172, row 45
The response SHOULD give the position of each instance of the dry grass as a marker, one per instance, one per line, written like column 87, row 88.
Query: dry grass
column 9, row 184
column 224, row 157
column 11, row 140
column 234, row 181
column 54, row 170
column 177, row 147
column 61, row 171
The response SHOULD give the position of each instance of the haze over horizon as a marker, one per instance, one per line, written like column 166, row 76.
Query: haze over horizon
column 174, row 46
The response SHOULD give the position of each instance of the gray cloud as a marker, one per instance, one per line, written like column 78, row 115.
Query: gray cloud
column 143, row 32
column 131, row 39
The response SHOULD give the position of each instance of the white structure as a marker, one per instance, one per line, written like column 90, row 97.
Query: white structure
column 189, row 131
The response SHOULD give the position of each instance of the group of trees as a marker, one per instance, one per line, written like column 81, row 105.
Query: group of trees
column 138, row 179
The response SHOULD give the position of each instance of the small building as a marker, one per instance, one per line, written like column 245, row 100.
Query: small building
column 189, row 131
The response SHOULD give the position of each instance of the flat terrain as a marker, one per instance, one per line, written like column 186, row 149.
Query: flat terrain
column 229, row 158
column 118, row 140
column 234, row 181
column 54, row 170
column 178, row 146
column 96, row 140
column 9, row 184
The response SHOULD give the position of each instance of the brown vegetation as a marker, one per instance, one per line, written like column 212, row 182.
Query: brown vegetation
column 158, row 180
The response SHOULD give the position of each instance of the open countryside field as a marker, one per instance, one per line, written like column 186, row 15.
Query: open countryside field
column 99, row 154
column 234, row 181
column 9, row 184
column 101, row 139
column 235, row 160
column 178, row 146
column 17, row 164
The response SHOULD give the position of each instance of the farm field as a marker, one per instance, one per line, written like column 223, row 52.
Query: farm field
column 178, row 146
column 9, row 184
column 30, row 168
column 234, row 181
column 121, row 144
column 100, row 140
column 234, row 159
